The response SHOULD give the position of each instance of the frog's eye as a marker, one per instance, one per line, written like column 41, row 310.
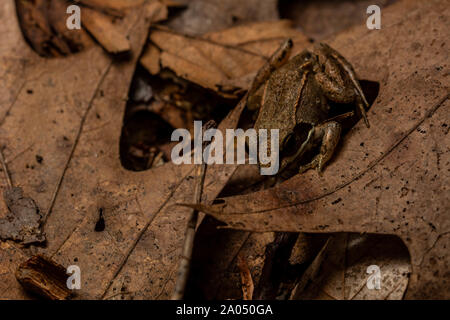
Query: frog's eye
column 308, row 56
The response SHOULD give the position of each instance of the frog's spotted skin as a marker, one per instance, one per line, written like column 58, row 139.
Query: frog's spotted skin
column 295, row 102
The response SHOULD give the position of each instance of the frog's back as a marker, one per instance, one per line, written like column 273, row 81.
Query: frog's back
column 280, row 97
column 290, row 97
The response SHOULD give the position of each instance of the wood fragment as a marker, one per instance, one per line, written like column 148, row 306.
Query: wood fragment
column 185, row 261
column 246, row 278
column 44, row 277
column 105, row 32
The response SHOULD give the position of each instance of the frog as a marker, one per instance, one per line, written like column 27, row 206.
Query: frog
column 296, row 98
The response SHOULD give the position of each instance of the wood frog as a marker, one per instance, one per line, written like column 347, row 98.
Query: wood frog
column 296, row 99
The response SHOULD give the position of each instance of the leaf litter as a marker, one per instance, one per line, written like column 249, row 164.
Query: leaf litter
column 141, row 223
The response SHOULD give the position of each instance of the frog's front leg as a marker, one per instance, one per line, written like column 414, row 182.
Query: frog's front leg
column 329, row 133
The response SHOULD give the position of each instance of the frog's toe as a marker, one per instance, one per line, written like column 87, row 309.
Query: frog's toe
column 319, row 171
column 313, row 164
column 303, row 169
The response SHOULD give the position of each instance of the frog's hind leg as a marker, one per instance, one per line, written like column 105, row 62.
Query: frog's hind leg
column 361, row 100
column 330, row 133
column 333, row 88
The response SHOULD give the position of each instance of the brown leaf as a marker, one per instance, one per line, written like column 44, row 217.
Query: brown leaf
column 150, row 59
column 70, row 112
column 23, row 221
column 213, row 15
column 104, row 29
column 322, row 19
column 389, row 178
column 311, row 272
column 224, row 61
column 105, row 32
column 116, row 5
column 43, row 23
column 214, row 272
column 340, row 269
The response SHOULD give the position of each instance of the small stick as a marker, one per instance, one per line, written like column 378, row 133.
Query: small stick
column 246, row 278
column 186, row 256
column 5, row 169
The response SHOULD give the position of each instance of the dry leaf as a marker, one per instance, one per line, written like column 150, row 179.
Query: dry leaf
column 116, row 5
column 213, row 15
column 70, row 112
column 43, row 23
column 23, row 222
column 322, row 19
column 215, row 275
column 390, row 178
column 224, row 61
column 311, row 272
column 105, row 32
column 341, row 273
column 150, row 59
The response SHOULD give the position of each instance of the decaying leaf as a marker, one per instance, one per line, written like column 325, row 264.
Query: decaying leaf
column 150, row 59
column 340, row 269
column 320, row 20
column 60, row 123
column 388, row 179
column 311, row 272
column 103, row 29
column 202, row 16
column 73, row 121
column 224, row 61
column 115, row 6
column 105, row 32
column 23, row 222
column 43, row 23
column 215, row 274
column 276, row 266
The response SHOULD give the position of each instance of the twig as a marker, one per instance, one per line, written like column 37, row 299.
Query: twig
column 246, row 278
column 184, row 267
column 5, row 169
